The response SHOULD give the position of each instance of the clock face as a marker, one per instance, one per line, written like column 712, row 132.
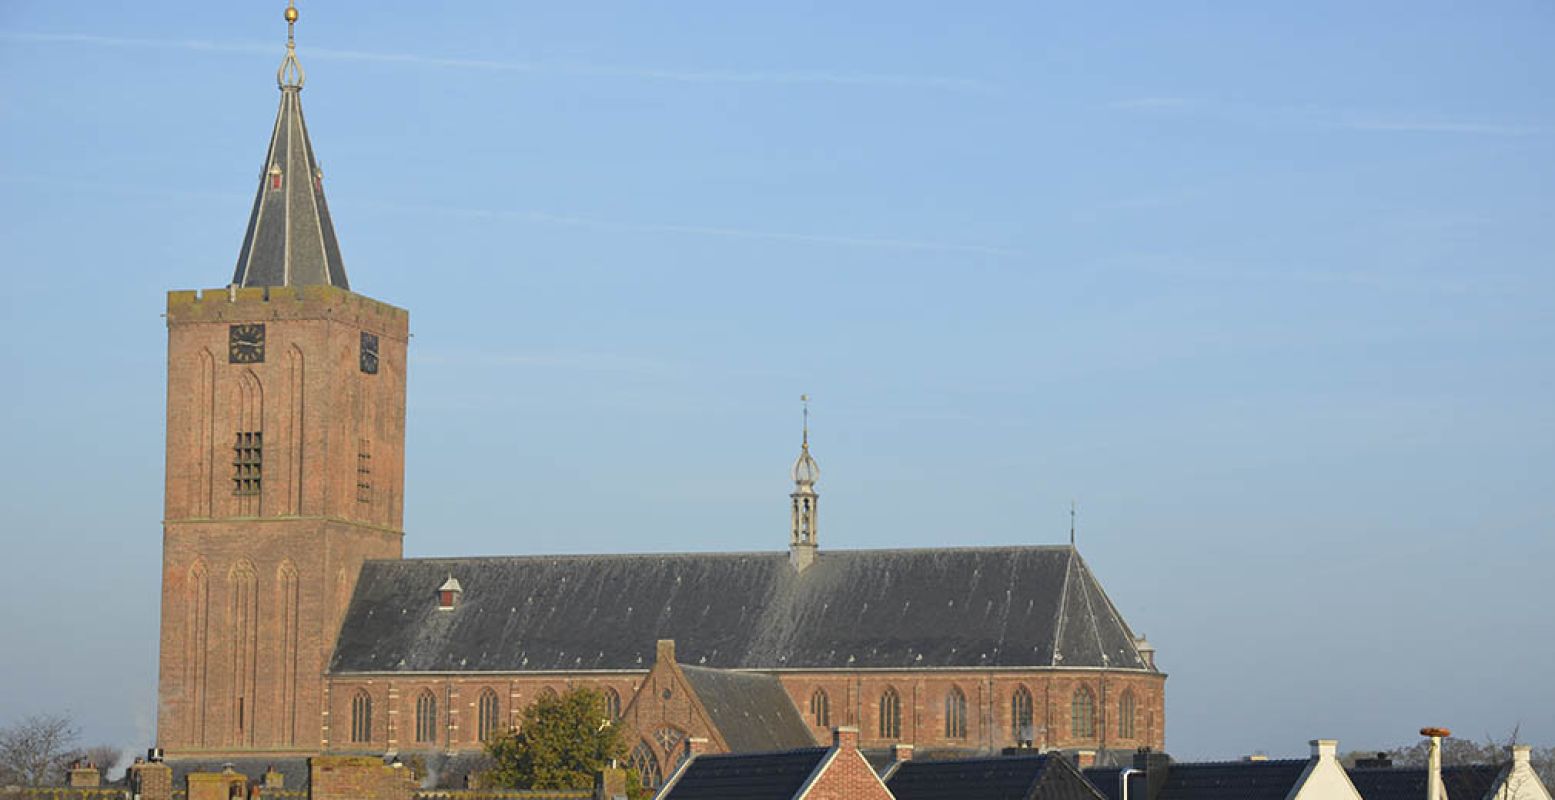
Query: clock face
column 246, row 343
column 369, row 353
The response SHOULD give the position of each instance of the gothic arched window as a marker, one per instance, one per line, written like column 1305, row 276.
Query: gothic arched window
column 1126, row 715
column 1082, row 713
column 1021, row 727
column 426, row 717
column 612, row 703
column 820, row 709
column 361, row 717
column 488, row 714
column 646, row 764
column 890, row 714
column 955, row 714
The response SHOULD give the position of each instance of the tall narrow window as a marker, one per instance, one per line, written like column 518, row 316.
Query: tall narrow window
column 364, row 471
column 489, row 714
column 1021, row 728
column 361, row 717
column 612, row 703
column 426, row 717
column 646, row 764
column 955, row 714
column 1126, row 715
column 820, row 709
column 890, row 715
column 1082, row 713
column 247, row 462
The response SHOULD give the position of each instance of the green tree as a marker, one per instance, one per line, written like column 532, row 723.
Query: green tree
column 561, row 743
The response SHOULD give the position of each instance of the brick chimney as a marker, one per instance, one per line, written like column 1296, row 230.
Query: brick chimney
column 696, row 746
column 845, row 738
column 901, row 752
column 1085, row 759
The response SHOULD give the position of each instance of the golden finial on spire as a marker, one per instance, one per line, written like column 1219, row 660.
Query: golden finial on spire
column 290, row 75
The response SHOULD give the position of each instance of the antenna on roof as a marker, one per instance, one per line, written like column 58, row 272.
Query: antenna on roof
column 1071, row 523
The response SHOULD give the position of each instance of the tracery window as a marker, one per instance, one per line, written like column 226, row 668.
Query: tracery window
column 669, row 740
column 820, row 709
column 1126, row 715
column 955, row 714
column 361, row 717
column 426, row 717
column 890, row 714
column 646, row 764
column 1082, row 713
column 489, row 714
column 1021, row 727
column 612, row 703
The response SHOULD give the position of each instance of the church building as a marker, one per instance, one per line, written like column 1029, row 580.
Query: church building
column 292, row 624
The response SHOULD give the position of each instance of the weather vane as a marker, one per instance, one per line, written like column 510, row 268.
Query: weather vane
column 290, row 75
column 805, row 399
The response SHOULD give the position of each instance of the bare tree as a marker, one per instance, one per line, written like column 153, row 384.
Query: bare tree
column 34, row 751
column 103, row 756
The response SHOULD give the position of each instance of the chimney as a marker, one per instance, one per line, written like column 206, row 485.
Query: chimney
column 1433, row 771
column 845, row 738
column 665, row 651
column 1378, row 761
column 1155, row 766
column 901, row 752
column 696, row 746
column 1322, row 750
column 1522, row 755
column 1085, row 759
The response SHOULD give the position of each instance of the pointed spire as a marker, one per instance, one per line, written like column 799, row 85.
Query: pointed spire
column 290, row 239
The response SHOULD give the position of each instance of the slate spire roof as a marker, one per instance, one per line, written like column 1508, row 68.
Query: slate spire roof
column 290, row 239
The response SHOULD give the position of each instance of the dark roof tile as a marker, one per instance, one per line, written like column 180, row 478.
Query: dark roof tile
column 959, row 607
column 756, row 776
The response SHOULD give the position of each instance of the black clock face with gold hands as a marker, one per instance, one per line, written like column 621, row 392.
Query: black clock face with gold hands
column 370, row 353
column 246, row 343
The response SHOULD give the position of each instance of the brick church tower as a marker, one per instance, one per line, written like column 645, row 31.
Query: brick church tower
column 285, row 466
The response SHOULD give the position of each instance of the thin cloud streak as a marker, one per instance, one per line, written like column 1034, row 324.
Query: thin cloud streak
column 1314, row 116
column 728, row 233
column 575, row 69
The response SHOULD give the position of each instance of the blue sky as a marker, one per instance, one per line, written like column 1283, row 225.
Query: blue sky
column 1268, row 291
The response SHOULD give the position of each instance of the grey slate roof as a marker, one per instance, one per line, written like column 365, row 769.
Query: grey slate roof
column 958, row 607
column 755, row 776
column 290, row 239
column 1472, row 782
column 1026, row 777
column 752, row 712
column 1232, row 780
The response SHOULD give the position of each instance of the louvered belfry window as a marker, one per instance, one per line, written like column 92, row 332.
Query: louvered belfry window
column 248, row 453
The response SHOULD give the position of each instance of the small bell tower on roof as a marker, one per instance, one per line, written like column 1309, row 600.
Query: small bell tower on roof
column 802, row 544
column 290, row 239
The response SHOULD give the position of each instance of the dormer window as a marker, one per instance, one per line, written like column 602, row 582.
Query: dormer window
column 275, row 177
column 448, row 594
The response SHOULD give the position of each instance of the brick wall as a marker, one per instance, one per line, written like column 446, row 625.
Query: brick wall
column 255, row 582
column 356, row 778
